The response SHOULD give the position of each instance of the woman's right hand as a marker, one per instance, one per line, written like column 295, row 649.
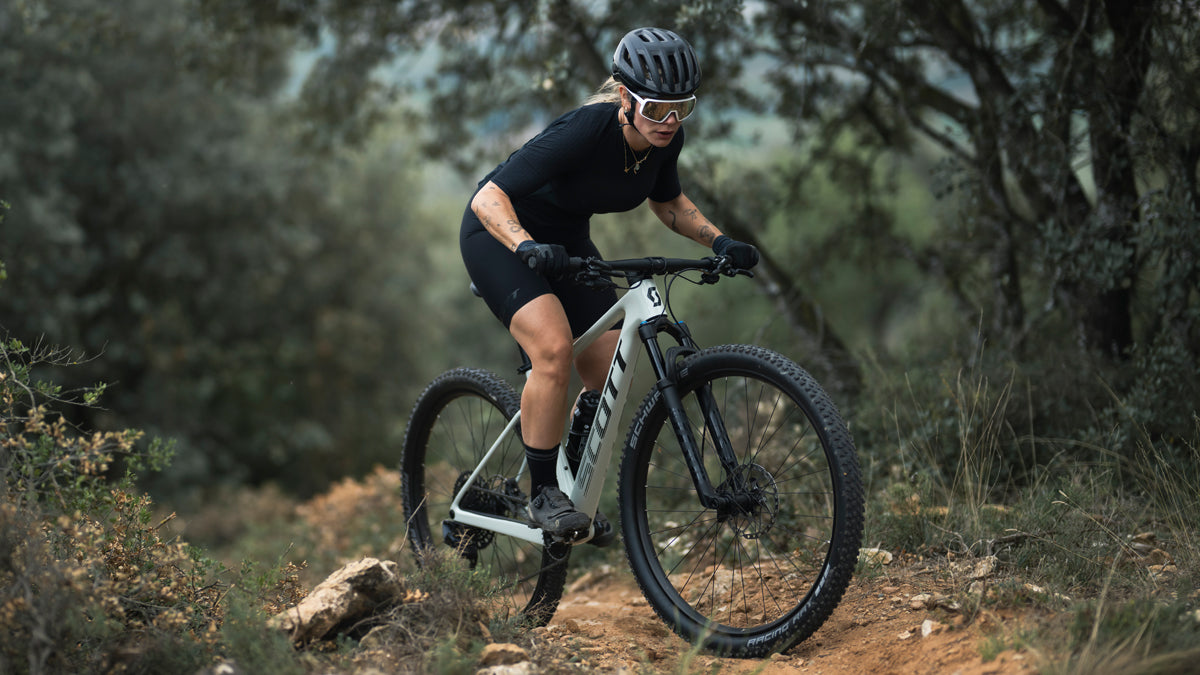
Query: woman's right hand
column 549, row 260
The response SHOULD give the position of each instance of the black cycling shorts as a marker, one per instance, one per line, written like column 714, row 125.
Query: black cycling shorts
column 507, row 284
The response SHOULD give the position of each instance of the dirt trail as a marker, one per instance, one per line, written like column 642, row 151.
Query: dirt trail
column 604, row 620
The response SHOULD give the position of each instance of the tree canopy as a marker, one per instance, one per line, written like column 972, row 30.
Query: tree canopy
column 166, row 218
column 1067, row 130
column 250, row 252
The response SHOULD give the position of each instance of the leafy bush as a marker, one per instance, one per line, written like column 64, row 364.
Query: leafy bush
column 88, row 582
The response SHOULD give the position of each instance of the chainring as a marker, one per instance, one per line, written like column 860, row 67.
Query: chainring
column 494, row 496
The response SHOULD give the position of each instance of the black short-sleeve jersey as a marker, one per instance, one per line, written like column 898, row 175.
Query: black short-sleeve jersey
column 577, row 167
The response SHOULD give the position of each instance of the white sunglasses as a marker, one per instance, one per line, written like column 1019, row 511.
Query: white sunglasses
column 658, row 110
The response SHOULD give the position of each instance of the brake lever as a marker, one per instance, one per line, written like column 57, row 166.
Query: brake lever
column 725, row 266
column 593, row 279
column 599, row 282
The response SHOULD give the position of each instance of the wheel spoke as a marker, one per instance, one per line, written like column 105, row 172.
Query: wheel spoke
column 453, row 425
column 744, row 568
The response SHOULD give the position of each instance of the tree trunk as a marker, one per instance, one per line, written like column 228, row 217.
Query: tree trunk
column 1107, row 319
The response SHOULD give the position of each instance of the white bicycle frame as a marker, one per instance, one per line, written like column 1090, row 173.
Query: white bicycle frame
column 641, row 303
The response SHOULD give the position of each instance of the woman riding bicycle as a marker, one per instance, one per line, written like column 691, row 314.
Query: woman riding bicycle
column 531, row 214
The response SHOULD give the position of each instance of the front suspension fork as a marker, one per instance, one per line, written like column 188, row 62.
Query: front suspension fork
column 666, row 370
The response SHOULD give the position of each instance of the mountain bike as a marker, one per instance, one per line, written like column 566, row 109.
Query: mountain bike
column 740, row 494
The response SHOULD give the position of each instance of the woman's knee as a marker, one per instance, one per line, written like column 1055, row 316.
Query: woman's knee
column 542, row 330
column 552, row 353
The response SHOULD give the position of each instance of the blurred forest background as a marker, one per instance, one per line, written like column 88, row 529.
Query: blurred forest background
column 242, row 216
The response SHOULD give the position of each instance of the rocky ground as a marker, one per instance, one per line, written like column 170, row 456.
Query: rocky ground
column 900, row 622
column 901, row 614
column 903, row 618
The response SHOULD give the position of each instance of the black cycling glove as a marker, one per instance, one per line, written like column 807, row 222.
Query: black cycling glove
column 743, row 255
column 549, row 260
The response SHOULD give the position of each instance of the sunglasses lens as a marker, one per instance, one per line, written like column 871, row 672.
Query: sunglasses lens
column 657, row 110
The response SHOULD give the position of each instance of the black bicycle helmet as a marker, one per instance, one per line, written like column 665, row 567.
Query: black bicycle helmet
column 656, row 62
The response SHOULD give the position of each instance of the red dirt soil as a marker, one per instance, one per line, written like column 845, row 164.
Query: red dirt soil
column 604, row 620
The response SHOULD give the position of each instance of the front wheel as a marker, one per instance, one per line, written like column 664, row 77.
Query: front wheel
column 762, row 572
column 453, row 424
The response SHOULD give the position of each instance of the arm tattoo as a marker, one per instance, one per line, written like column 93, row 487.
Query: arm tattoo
column 673, row 224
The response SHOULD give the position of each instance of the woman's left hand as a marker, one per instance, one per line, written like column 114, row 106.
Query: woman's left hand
column 740, row 253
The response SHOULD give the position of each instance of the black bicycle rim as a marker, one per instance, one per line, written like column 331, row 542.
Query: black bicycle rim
column 454, row 423
column 745, row 581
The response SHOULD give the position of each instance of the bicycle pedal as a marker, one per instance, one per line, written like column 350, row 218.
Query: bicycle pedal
column 564, row 537
column 604, row 534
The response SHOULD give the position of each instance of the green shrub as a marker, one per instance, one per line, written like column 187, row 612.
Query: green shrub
column 247, row 640
column 88, row 580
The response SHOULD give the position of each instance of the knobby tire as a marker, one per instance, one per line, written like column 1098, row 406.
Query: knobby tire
column 752, row 581
column 453, row 424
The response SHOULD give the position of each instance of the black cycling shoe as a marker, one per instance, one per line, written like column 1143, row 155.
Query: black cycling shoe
column 605, row 535
column 553, row 511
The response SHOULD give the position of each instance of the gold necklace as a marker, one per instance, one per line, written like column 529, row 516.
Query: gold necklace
column 637, row 163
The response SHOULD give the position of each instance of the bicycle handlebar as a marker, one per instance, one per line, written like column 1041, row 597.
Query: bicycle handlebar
column 711, row 268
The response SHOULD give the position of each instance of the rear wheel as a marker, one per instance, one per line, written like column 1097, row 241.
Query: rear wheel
column 453, row 424
column 764, row 570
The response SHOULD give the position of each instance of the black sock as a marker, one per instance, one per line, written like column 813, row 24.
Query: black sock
column 543, row 468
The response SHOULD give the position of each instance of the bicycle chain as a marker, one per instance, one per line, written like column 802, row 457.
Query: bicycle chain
column 497, row 496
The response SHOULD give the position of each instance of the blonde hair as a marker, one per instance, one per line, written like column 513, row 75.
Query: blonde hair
column 608, row 92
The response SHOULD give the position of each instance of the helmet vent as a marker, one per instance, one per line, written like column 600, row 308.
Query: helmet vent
column 656, row 62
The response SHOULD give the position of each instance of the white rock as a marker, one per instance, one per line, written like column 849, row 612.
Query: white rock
column 875, row 556
column 497, row 654
column 929, row 627
column 354, row 590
